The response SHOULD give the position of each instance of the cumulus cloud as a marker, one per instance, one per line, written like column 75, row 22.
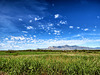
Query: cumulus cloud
column 21, row 42
column 13, row 12
column 24, row 31
column 56, row 16
column 18, row 38
column 95, row 26
column 20, row 19
column 63, row 22
column 49, row 33
column 56, row 32
column 30, row 21
column 38, row 18
column 29, row 27
column 6, row 39
column 50, row 24
column 71, row 27
column 34, row 35
column 86, row 29
column 78, row 27
column 78, row 35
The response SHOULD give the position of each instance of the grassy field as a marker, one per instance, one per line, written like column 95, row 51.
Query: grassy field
column 50, row 62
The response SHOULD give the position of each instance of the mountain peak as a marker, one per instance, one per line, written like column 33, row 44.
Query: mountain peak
column 67, row 47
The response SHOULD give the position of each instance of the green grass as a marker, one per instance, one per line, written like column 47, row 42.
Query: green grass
column 26, row 53
column 39, row 52
column 50, row 63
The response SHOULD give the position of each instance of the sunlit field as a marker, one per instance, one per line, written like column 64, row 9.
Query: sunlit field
column 38, row 62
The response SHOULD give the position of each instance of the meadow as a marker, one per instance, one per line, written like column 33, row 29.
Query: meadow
column 50, row 62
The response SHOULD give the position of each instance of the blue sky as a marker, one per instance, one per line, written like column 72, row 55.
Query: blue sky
column 32, row 24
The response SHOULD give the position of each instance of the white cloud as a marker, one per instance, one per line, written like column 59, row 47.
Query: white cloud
column 18, row 38
column 56, row 15
column 64, row 42
column 63, row 22
column 49, row 33
column 95, row 26
column 24, row 31
column 50, row 24
column 2, row 44
column 38, row 18
column 30, row 21
column 34, row 35
column 86, row 29
column 78, row 27
column 6, row 39
column 48, row 28
column 71, row 27
column 42, row 26
column 56, row 32
column 29, row 27
column 20, row 19
column 25, row 35
column 21, row 42
column 17, row 46
column 78, row 35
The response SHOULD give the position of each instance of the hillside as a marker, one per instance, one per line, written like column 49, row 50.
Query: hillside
column 67, row 47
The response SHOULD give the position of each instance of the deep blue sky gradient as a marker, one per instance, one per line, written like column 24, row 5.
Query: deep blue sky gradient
column 23, row 21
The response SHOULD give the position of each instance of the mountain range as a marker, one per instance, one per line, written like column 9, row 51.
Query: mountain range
column 67, row 47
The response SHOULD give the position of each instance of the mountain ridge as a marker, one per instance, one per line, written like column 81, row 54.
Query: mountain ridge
column 68, row 47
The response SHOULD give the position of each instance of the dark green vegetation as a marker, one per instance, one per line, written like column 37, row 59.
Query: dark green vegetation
column 37, row 52
column 50, row 62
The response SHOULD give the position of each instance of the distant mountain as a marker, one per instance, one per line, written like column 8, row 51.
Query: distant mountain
column 67, row 47
column 97, row 48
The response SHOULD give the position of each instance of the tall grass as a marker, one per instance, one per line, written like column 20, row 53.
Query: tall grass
column 50, row 65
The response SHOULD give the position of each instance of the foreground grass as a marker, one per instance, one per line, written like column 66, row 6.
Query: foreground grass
column 72, row 63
